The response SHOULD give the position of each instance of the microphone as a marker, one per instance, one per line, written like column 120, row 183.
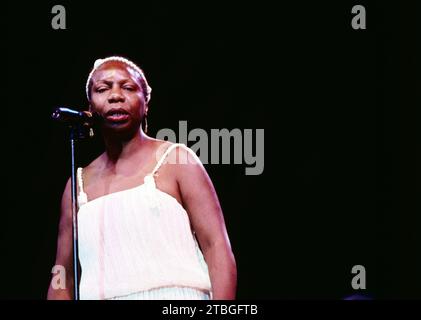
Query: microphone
column 74, row 117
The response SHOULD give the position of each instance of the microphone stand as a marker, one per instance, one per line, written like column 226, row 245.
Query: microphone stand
column 75, row 208
column 80, row 125
column 77, row 131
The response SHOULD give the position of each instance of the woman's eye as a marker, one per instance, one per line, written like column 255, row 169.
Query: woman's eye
column 100, row 90
column 129, row 88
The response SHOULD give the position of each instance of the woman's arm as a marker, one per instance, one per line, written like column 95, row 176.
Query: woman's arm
column 64, row 250
column 205, row 213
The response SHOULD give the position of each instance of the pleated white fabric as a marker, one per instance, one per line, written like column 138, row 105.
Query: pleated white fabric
column 170, row 293
column 138, row 244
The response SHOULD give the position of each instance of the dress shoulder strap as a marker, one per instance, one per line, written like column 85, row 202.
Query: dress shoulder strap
column 164, row 156
column 82, row 197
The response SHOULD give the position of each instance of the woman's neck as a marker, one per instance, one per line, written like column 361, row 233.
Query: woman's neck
column 117, row 149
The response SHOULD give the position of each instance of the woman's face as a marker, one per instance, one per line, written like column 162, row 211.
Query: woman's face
column 116, row 94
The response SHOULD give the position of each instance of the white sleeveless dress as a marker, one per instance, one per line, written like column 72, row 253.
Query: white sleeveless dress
column 138, row 244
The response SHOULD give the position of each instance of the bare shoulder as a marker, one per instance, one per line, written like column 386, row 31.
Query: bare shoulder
column 178, row 154
column 158, row 147
column 188, row 167
column 179, row 162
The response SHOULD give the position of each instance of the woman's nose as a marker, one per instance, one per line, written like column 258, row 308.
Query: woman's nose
column 115, row 95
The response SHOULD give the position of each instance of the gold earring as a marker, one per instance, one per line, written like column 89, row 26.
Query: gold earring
column 146, row 124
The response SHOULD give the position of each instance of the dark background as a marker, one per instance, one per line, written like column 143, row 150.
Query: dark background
column 339, row 109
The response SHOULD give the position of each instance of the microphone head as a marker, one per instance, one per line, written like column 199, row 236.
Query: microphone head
column 66, row 114
column 71, row 116
column 83, row 121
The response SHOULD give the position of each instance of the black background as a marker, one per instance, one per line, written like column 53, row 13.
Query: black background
column 338, row 107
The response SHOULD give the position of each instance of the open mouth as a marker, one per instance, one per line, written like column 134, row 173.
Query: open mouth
column 117, row 115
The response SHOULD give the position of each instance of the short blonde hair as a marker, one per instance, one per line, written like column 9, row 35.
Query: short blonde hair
column 145, row 86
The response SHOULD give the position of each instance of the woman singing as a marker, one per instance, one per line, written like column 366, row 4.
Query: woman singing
column 150, row 225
